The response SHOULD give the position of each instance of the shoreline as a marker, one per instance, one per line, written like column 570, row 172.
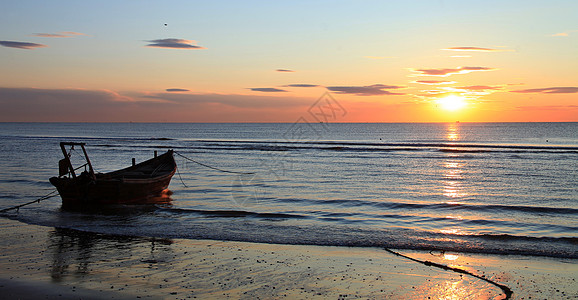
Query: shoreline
column 45, row 262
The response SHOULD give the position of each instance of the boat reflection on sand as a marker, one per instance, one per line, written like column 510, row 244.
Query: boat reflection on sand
column 79, row 254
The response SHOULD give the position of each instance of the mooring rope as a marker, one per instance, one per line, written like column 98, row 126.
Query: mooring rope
column 210, row 167
column 181, row 178
column 48, row 196
column 504, row 288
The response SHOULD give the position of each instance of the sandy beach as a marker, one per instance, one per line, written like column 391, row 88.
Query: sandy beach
column 49, row 263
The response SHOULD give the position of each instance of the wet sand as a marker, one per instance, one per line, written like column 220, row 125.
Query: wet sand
column 48, row 263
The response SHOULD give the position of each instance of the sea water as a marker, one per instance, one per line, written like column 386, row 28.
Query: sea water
column 505, row 188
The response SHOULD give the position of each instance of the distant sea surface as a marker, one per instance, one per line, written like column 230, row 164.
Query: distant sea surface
column 502, row 188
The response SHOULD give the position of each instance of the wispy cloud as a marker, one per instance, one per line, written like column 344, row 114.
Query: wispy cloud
column 548, row 107
column 267, row 90
column 21, row 45
column 369, row 90
column 448, row 72
column 302, row 85
column 434, row 82
column 79, row 105
column 284, row 71
column 474, row 49
column 31, row 104
column 566, row 33
column 475, row 90
column 232, row 100
column 478, row 88
column 379, row 57
column 176, row 90
column 64, row 34
column 550, row 90
column 174, row 44
column 428, row 95
column 73, row 33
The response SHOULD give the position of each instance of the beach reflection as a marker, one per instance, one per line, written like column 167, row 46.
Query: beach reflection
column 452, row 289
column 136, row 267
column 77, row 254
column 454, row 285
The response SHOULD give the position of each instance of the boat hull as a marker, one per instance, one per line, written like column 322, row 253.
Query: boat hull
column 133, row 185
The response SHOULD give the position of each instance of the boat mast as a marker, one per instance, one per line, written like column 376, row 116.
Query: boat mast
column 69, row 163
column 87, row 161
column 67, row 159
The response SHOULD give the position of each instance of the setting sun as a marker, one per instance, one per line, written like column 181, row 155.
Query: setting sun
column 452, row 103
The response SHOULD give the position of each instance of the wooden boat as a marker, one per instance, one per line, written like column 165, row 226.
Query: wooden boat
column 139, row 184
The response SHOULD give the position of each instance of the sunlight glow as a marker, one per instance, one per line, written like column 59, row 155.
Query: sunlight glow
column 452, row 102
column 450, row 231
column 450, row 256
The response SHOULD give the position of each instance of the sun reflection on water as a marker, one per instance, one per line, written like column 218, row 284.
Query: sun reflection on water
column 451, row 231
column 453, row 174
column 453, row 132
column 453, row 169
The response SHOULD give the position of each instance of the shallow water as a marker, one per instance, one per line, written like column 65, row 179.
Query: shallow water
column 508, row 188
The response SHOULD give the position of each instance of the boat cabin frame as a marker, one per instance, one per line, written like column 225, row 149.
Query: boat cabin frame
column 65, row 165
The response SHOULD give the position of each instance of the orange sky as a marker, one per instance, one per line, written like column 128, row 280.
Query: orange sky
column 263, row 61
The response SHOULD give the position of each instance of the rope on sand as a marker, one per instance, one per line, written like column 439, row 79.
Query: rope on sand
column 210, row 167
column 504, row 288
column 54, row 193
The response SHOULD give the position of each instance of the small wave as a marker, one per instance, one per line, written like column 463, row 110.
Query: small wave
column 407, row 144
column 508, row 237
column 233, row 225
column 249, row 147
column 339, row 146
column 495, row 208
column 438, row 206
column 15, row 180
column 480, row 207
column 349, row 146
column 464, row 151
column 516, row 208
column 233, row 213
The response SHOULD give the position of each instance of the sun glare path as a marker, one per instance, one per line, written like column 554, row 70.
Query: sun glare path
column 452, row 103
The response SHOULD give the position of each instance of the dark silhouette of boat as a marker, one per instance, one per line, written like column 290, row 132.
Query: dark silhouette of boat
column 142, row 183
